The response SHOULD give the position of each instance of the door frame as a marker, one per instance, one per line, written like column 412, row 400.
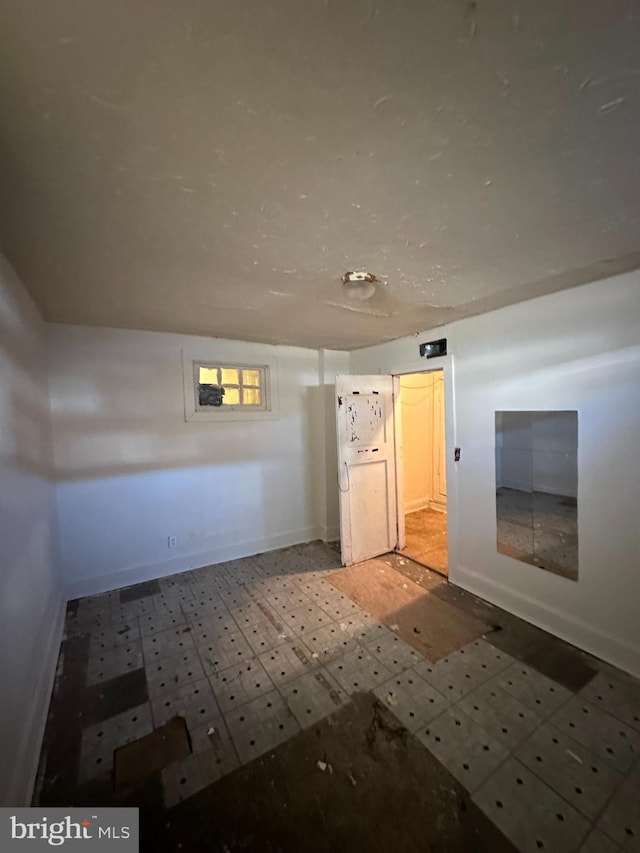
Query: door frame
column 446, row 365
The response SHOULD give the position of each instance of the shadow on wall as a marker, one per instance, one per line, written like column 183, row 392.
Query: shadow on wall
column 322, row 457
column 134, row 475
column 26, row 434
column 331, row 460
column 31, row 599
column 123, row 414
column 112, row 446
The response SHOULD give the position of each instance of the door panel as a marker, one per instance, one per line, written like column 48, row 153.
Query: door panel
column 366, row 459
column 369, row 488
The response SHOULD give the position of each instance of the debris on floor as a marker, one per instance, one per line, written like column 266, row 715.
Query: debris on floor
column 309, row 719
column 406, row 800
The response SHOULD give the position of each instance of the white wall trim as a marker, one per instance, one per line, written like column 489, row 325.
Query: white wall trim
column 79, row 587
column 198, row 353
column 557, row 622
column 417, row 504
column 25, row 769
column 447, row 365
column 518, row 485
column 331, row 533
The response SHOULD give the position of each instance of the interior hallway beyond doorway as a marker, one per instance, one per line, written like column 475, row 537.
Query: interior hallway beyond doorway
column 426, row 539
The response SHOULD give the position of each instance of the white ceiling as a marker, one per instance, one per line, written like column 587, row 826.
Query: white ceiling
column 214, row 167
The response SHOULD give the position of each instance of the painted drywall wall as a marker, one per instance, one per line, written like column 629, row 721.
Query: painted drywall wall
column 416, row 399
column 576, row 350
column 331, row 363
column 31, row 601
column 537, row 451
column 131, row 472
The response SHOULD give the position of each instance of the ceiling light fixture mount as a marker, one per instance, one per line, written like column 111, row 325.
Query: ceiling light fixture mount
column 359, row 285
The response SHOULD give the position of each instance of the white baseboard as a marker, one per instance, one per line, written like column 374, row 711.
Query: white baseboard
column 416, row 504
column 423, row 503
column 561, row 624
column 330, row 534
column 516, row 485
column 25, row 768
column 79, row 587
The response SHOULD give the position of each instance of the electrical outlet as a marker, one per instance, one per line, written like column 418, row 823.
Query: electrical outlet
column 172, row 541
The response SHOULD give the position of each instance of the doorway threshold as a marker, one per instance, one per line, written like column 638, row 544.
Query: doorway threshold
column 440, row 570
column 416, row 572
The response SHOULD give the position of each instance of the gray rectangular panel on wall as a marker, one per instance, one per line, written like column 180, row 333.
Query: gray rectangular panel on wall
column 537, row 489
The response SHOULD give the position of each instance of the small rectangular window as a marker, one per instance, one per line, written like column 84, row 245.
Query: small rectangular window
column 220, row 386
column 230, row 387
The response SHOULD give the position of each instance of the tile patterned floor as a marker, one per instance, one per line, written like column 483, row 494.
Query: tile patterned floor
column 252, row 651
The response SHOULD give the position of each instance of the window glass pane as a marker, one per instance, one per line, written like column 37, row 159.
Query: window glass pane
column 208, row 376
column 210, row 395
column 231, row 397
column 251, row 377
column 251, row 396
column 234, row 387
column 230, row 375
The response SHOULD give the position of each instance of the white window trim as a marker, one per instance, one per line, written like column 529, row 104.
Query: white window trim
column 264, row 386
column 194, row 413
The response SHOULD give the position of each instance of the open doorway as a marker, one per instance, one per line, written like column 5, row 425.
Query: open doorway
column 423, row 496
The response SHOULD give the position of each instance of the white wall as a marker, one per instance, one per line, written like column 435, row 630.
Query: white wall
column 31, row 601
column 574, row 350
column 131, row 472
column 416, row 398
column 331, row 363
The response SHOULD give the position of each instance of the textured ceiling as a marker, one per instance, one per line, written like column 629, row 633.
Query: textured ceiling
column 214, row 167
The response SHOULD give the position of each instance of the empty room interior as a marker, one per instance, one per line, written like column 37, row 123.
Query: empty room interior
column 320, row 410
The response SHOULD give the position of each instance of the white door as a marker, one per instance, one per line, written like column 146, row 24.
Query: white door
column 366, row 467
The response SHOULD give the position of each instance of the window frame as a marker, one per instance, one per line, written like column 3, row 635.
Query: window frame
column 194, row 412
column 261, row 369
